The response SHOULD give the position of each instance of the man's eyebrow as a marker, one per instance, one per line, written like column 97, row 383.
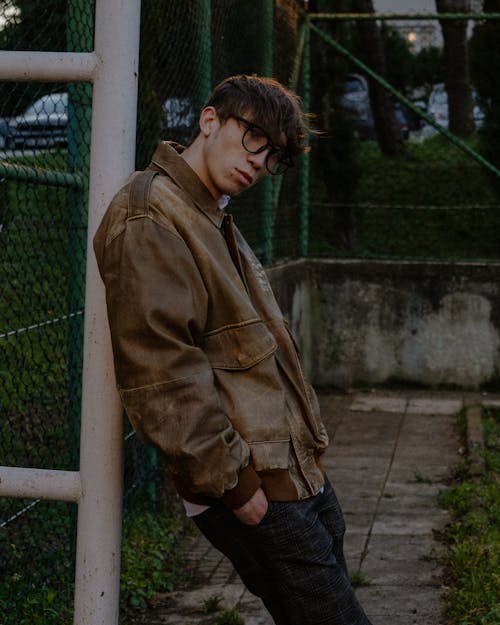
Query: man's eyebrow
column 275, row 144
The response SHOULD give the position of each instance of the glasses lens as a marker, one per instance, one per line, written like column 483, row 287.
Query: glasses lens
column 277, row 163
column 254, row 139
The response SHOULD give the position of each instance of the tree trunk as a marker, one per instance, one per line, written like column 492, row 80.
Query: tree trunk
column 457, row 73
column 388, row 135
column 485, row 69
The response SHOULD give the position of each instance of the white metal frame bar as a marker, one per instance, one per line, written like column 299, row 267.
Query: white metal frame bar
column 97, row 486
column 56, row 66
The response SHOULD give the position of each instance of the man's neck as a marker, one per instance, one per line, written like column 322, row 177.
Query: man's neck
column 194, row 157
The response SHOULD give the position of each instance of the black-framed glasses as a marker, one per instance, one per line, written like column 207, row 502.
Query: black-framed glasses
column 256, row 141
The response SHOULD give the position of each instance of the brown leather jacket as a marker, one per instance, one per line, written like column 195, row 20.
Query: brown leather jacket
column 205, row 365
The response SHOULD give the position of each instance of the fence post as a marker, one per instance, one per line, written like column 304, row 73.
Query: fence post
column 266, row 187
column 204, row 53
column 80, row 39
column 97, row 577
column 304, row 177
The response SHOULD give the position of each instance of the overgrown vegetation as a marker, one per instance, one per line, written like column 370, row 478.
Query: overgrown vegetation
column 436, row 202
column 472, row 559
column 150, row 561
column 37, row 571
column 36, row 564
column 229, row 616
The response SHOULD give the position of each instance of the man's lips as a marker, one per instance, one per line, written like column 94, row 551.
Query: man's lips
column 247, row 178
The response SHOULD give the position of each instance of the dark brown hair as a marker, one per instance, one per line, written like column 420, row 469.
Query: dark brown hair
column 267, row 103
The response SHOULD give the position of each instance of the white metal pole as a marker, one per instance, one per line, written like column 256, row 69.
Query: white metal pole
column 40, row 484
column 112, row 159
column 49, row 66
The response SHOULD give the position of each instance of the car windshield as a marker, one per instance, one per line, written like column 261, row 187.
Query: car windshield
column 440, row 97
column 352, row 85
column 47, row 106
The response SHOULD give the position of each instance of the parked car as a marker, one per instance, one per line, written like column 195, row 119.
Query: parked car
column 437, row 106
column 402, row 120
column 355, row 100
column 43, row 124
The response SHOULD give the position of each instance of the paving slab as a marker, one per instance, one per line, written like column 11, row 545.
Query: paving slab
column 343, row 449
column 401, row 605
column 395, row 504
column 435, row 406
column 378, row 403
column 404, row 524
column 491, row 404
column 357, row 504
column 396, row 549
column 373, row 480
column 354, row 549
column 419, row 471
column 387, row 572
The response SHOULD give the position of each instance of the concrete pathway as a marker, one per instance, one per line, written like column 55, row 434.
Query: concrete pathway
column 390, row 454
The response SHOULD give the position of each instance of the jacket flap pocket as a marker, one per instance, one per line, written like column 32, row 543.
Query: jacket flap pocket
column 240, row 346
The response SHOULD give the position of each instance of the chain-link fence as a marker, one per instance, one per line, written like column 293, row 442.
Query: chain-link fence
column 431, row 200
column 44, row 148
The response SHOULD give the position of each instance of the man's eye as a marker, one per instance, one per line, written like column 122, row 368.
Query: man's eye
column 256, row 132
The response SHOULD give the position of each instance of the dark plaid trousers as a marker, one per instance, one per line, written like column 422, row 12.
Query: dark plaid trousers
column 293, row 560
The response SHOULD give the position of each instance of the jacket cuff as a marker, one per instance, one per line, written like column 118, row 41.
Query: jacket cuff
column 248, row 483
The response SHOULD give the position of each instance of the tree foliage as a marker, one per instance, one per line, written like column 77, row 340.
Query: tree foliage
column 409, row 71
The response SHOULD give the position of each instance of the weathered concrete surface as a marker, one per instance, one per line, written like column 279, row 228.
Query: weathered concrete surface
column 365, row 323
column 387, row 463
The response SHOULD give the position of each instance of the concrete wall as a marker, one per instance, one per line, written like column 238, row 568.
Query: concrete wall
column 367, row 323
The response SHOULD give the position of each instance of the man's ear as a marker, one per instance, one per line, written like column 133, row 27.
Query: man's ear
column 208, row 119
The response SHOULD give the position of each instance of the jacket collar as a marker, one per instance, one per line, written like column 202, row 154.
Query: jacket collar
column 167, row 158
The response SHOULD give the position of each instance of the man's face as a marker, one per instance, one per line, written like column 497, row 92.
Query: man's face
column 229, row 167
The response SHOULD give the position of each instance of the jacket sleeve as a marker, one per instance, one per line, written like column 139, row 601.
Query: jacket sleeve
column 157, row 309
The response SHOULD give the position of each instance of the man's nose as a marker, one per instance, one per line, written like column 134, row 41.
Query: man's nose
column 258, row 160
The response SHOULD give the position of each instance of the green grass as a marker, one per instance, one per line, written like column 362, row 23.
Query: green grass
column 211, row 604
column 358, row 580
column 230, row 616
column 472, row 559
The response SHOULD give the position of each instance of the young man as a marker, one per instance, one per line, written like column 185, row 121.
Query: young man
column 205, row 364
